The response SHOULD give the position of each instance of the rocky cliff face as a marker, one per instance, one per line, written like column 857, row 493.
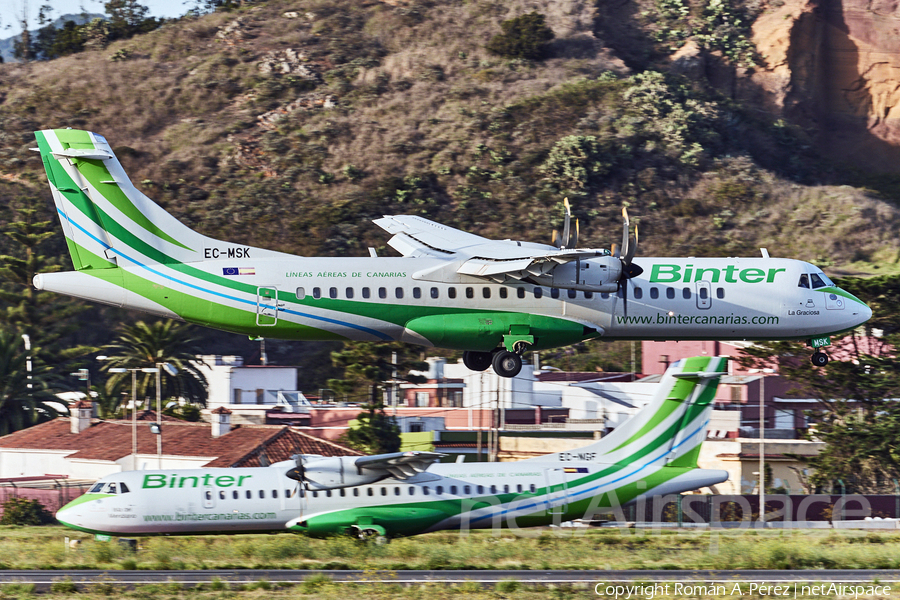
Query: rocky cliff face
column 835, row 65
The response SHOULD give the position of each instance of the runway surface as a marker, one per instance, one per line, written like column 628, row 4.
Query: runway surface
column 44, row 579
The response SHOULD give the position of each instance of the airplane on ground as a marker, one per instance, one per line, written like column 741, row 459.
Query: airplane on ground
column 406, row 493
column 493, row 299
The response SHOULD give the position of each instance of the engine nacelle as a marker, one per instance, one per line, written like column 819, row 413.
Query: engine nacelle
column 334, row 473
column 599, row 274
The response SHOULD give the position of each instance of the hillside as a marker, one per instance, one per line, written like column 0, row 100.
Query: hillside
column 290, row 124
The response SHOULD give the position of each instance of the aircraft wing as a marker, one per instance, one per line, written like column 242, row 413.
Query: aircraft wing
column 497, row 260
column 400, row 465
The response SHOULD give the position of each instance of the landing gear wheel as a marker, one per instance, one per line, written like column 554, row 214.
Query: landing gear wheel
column 477, row 361
column 819, row 359
column 372, row 535
column 507, row 364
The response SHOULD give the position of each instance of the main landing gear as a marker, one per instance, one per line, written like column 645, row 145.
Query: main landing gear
column 505, row 363
column 819, row 358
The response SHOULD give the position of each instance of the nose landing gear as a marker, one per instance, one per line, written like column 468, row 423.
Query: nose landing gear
column 819, row 358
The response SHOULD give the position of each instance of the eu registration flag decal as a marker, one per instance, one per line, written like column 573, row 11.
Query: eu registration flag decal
column 239, row 271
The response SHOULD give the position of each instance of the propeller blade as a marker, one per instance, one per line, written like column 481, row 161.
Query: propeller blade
column 574, row 241
column 566, row 224
column 614, row 250
column 555, row 240
column 625, row 236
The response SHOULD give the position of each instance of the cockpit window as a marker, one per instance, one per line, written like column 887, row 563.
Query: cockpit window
column 96, row 489
column 804, row 281
column 820, row 280
column 123, row 488
column 112, row 489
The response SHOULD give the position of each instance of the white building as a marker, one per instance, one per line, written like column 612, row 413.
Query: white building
column 250, row 391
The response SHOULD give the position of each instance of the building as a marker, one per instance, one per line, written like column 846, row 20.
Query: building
column 255, row 394
column 79, row 447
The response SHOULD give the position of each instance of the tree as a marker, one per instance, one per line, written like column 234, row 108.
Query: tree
column 21, row 406
column 523, row 37
column 858, row 414
column 45, row 316
column 369, row 365
column 128, row 18
column 144, row 345
column 376, row 432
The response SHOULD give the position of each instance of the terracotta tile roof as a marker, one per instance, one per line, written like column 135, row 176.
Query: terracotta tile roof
column 111, row 440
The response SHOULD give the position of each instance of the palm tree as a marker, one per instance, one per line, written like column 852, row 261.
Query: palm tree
column 145, row 345
column 21, row 406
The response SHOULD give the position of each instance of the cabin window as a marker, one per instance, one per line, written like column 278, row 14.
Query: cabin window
column 703, row 293
column 520, row 292
column 398, row 292
column 503, row 293
column 371, row 492
column 451, row 293
column 262, row 494
column 301, row 293
column 382, row 293
column 439, row 490
column 493, row 489
column 453, row 489
column 538, row 292
column 479, row 489
column 208, row 494
column 604, row 295
column 470, row 292
column 670, row 293
column 435, row 293
column 332, row 292
column 366, row 293
column 384, row 491
column 417, row 292
column 317, row 293
column 234, row 495
column 686, row 293
column 396, row 490
column 342, row 492
column 425, row 490
column 654, row 293
column 467, row 489
column 638, row 293
column 287, row 493
column 96, row 489
column 720, row 293
column 486, row 292
column 315, row 494
column 123, row 489
column 412, row 490
column 349, row 292
column 519, row 488
column 588, row 295
column 505, row 489
column 572, row 294
column 221, row 494
column 328, row 493
column 356, row 491
column 554, row 293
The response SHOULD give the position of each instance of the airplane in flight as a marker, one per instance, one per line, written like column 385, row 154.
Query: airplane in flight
column 492, row 299
column 407, row 493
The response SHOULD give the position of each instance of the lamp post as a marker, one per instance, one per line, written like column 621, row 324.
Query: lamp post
column 173, row 371
column 762, row 441
column 134, row 373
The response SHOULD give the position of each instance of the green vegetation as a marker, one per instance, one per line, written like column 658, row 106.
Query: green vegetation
column 290, row 125
column 23, row 511
column 42, row 548
column 523, row 37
